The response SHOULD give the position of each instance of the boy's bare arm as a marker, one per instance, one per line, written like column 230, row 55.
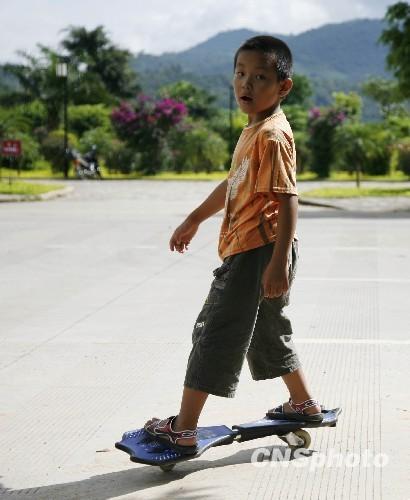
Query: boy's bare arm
column 212, row 205
column 288, row 213
column 276, row 279
column 184, row 233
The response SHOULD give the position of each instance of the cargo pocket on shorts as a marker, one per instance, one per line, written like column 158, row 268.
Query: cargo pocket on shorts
column 219, row 282
column 214, row 296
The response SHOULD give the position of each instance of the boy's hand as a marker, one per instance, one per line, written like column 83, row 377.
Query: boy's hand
column 183, row 235
column 275, row 281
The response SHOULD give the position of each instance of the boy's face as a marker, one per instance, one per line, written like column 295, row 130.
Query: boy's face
column 257, row 88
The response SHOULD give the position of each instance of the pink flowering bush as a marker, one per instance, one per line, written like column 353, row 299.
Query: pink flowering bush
column 145, row 125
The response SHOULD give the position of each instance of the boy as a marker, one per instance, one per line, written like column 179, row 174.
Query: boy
column 243, row 313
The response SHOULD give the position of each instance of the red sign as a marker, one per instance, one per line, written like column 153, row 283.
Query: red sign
column 11, row 148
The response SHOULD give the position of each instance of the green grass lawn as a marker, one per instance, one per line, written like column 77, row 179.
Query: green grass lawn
column 26, row 188
column 354, row 192
column 345, row 176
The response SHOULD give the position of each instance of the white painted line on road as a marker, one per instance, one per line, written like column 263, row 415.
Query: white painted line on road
column 360, row 280
column 354, row 248
column 77, row 247
column 144, row 247
column 351, row 341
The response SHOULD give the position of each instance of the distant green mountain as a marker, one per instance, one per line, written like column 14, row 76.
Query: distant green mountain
column 334, row 56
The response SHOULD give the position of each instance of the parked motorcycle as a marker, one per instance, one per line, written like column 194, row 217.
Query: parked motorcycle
column 86, row 166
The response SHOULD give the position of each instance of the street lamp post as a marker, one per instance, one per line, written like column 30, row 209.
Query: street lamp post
column 62, row 72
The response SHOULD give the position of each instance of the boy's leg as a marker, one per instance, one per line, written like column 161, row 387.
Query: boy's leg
column 223, row 330
column 272, row 353
column 193, row 402
column 221, row 335
column 298, row 390
column 191, row 407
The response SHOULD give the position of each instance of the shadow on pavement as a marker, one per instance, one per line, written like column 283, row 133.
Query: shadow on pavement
column 125, row 482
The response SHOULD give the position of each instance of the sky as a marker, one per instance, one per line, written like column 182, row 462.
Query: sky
column 157, row 26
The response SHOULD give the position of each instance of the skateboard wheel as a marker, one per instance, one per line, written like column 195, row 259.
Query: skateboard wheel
column 305, row 436
column 167, row 467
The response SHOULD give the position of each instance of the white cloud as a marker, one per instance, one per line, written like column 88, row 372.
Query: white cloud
column 157, row 26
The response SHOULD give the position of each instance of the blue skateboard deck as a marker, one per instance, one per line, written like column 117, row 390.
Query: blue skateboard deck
column 145, row 449
column 269, row 427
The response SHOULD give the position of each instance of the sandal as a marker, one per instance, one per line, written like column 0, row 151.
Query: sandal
column 298, row 412
column 162, row 430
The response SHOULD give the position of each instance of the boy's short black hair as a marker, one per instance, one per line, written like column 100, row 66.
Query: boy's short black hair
column 274, row 49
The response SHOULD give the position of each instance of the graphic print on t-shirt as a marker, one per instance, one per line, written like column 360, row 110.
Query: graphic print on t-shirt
column 237, row 178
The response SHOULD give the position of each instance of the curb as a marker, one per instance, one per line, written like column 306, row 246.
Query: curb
column 311, row 203
column 4, row 198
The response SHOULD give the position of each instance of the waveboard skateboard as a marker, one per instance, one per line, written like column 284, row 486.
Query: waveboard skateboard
column 145, row 449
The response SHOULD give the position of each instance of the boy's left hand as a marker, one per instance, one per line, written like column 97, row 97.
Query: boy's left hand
column 275, row 281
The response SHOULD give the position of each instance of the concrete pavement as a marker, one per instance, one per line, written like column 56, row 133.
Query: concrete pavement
column 365, row 204
column 95, row 314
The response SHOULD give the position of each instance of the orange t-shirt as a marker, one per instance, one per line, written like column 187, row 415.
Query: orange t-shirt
column 263, row 163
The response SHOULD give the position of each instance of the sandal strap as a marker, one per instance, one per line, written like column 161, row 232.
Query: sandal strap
column 301, row 407
column 166, row 431
column 277, row 409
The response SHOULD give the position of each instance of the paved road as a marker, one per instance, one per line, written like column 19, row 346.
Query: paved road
column 96, row 318
column 360, row 204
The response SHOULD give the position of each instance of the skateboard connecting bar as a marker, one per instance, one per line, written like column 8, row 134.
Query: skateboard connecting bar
column 290, row 437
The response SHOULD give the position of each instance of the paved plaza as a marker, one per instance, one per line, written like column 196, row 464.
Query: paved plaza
column 96, row 316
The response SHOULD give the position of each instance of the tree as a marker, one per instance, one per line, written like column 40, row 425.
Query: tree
column 364, row 147
column 87, row 117
column 397, row 37
column 350, row 104
column 198, row 148
column 297, row 116
column 387, row 94
column 37, row 80
column 98, row 73
column 199, row 102
column 403, row 155
column 301, row 92
column 221, row 124
column 107, row 65
column 12, row 122
column 352, row 148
